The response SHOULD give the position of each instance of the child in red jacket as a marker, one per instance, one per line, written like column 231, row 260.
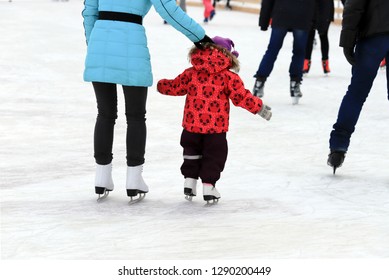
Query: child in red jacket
column 209, row 85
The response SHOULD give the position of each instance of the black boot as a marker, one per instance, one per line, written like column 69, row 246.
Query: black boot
column 259, row 86
column 335, row 159
column 295, row 91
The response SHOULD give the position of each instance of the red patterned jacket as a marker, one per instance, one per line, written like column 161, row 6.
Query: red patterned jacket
column 208, row 86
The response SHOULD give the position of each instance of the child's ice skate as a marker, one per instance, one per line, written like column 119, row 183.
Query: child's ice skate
column 210, row 193
column 190, row 188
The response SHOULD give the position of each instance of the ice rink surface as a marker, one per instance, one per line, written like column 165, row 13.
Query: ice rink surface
column 280, row 200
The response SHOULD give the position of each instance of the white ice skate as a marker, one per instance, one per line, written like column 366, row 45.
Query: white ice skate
column 210, row 193
column 103, row 180
column 135, row 185
column 190, row 188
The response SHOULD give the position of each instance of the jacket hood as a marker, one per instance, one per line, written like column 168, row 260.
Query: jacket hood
column 211, row 60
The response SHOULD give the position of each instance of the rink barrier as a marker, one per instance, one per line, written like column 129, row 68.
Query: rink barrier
column 254, row 6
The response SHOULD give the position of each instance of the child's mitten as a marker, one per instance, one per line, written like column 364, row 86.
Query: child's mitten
column 265, row 112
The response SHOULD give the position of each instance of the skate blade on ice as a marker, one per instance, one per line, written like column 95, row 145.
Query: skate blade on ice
column 211, row 202
column 103, row 197
column 336, row 159
column 102, row 192
column 136, row 199
column 295, row 100
column 189, row 194
column 334, row 168
column 135, row 195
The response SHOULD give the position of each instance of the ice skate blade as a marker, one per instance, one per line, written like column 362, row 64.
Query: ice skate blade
column 211, row 202
column 334, row 167
column 335, row 160
column 136, row 199
column 295, row 100
column 189, row 197
column 189, row 194
column 134, row 192
column 103, row 196
column 102, row 192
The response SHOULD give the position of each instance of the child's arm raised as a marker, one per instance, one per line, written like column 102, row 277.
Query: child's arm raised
column 176, row 86
column 242, row 97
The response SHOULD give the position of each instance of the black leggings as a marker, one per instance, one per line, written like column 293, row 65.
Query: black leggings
column 324, row 44
column 135, row 103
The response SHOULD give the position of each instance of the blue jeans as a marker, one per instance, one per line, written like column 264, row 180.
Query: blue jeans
column 368, row 54
column 274, row 47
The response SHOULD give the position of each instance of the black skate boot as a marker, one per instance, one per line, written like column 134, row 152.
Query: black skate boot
column 335, row 159
column 295, row 92
column 259, row 85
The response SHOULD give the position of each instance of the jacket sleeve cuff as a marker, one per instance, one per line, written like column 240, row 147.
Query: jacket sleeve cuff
column 348, row 38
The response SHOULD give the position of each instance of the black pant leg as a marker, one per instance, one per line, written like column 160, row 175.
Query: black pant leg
column 135, row 103
column 215, row 150
column 192, row 144
column 309, row 47
column 324, row 45
column 106, row 98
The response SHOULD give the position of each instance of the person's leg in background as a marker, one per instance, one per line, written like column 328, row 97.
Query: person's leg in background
column 308, row 51
column 325, row 48
column 368, row 55
column 267, row 63
column 296, row 66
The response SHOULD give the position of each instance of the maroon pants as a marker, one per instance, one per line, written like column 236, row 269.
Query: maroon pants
column 204, row 155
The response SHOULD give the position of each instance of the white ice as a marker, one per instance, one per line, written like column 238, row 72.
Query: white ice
column 279, row 197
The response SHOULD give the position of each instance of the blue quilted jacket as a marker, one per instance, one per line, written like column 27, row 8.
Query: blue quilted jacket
column 117, row 51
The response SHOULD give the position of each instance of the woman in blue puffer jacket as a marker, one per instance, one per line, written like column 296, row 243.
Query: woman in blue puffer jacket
column 117, row 53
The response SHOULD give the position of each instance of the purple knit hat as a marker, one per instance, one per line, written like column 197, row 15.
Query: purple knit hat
column 225, row 43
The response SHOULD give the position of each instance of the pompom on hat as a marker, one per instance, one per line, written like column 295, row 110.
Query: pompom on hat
column 225, row 43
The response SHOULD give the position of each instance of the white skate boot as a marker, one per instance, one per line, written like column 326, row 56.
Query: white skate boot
column 103, row 180
column 190, row 188
column 210, row 193
column 136, row 186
